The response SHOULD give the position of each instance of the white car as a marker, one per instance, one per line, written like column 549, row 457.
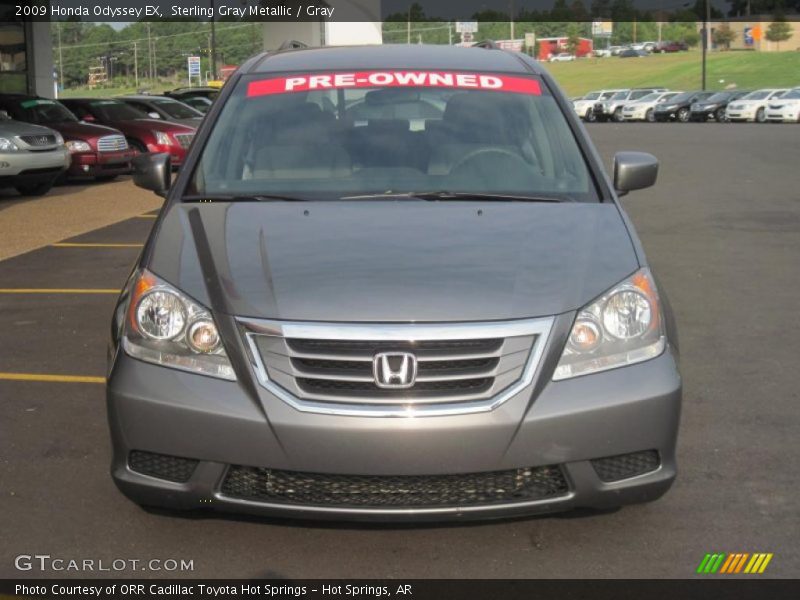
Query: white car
column 584, row 107
column 611, row 109
column 644, row 108
column 785, row 108
column 561, row 57
column 753, row 106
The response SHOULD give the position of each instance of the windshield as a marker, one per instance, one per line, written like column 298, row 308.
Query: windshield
column 43, row 111
column 619, row 96
column 791, row 94
column 639, row 95
column 114, row 110
column 330, row 136
column 177, row 110
column 759, row 95
column 592, row 96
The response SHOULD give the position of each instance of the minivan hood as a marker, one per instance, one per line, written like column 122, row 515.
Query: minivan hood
column 395, row 261
column 82, row 131
column 12, row 127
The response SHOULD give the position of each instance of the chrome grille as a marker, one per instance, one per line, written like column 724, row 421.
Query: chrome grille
column 184, row 139
column 331, row 368
column 112, row 143
column 38, row 140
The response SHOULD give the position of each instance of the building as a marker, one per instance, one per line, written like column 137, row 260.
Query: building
column 554, row 45
column 751, row 34
column 26, row 57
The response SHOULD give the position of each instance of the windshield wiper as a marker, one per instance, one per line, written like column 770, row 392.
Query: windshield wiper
column 242, row 198
column 459, row 196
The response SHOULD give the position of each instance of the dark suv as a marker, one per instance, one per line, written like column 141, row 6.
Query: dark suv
column 393, row 282
column 679, row 108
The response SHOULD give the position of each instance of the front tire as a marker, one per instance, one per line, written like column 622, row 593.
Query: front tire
column 683, row 115
column 650, row 116
column 589, row 116
column 138, row 146
column 35, row 189
column 617, row 116
column 761, row 115
column 719, row 116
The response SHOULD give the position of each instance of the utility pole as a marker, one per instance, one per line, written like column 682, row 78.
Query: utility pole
column 155, row 60
column 213, row 43
column 706, row 39
column 149, row 54
column 60, row 59
column 408, row 27
column 511, row 16
column 135, row 64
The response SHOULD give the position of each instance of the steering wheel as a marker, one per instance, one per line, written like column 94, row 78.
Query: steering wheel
column 481, row 154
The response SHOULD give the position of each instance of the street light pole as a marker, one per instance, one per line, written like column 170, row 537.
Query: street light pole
column 706, row 38
column 213, row 43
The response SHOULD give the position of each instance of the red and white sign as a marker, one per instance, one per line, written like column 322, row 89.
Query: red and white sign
column 370, row 79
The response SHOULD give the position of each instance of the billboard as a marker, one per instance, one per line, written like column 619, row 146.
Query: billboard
column 602, row 28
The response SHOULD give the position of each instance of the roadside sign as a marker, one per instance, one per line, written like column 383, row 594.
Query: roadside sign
column 748, row 36
column 602, row 28
column 194, row 66
column 530, row 40
column 466, row 26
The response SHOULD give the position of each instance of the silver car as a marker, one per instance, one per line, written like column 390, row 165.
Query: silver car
column 32, row 157
column 433, row 313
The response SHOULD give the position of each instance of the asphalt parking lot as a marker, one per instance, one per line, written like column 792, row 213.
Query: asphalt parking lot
column 722, row 229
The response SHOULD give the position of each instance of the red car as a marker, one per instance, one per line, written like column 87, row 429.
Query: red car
column 143, row 134
column 97, row 151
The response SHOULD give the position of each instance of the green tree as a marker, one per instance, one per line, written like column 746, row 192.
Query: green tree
column 779, row 30
column 724, row 35
column 573, row 37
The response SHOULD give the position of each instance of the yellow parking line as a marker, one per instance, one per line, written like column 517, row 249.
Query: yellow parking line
column 51, row 378
column 87, row 245
column 55, row 291
column 146, row 216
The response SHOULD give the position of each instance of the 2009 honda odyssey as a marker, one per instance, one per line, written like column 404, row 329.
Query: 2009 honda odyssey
column 393, row 283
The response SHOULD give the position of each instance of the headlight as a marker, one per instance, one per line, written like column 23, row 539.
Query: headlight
column 166, row 327
column 162, row 138
column 622, row 327
column 6, row 145
column 59, row 139
column 78, row 146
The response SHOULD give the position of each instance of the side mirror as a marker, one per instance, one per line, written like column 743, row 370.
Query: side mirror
column 634, row 171
column 153, row 115
column 153, row 172
column 4, row 116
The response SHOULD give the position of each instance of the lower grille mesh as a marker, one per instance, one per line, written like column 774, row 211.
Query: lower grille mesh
column 163, row 466
column 615, row 468
column 471, row 489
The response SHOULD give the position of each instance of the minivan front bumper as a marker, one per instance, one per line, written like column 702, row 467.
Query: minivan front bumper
column 220, row 428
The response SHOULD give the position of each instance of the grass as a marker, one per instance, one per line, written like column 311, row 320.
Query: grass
column 107, row 92
column 680, row 71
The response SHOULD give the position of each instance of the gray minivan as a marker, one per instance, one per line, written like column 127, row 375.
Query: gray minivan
column 393, row 283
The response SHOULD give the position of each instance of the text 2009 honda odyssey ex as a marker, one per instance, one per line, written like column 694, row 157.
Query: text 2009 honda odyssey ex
column 393, row 283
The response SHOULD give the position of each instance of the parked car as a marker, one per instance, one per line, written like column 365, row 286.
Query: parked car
column 31, row 157
column 615, row 50
column 602, row 52
column 649, row 46
column 143, row 133
column 633, row 53
column 97, row 151
column 611, row 109
column 561, row 57
column 714, row 106
column 584, row 107
column 679, row 107
column 198, row 103
column 182, row 94
column 753, row 106
column 309, row 333
column 168, row 109
column 644, row 108
column 786, row 108
column 669, row 47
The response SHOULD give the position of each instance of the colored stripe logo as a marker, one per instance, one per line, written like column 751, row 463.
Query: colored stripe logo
column 733, row 563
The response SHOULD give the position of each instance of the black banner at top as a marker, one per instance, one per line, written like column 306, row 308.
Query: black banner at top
column 399, row 10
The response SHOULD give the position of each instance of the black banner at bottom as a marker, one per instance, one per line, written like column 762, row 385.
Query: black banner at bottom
column 417, row 589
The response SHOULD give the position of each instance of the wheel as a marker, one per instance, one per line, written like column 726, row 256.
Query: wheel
column 761, row 116
column 35, row 189
column 589, row 116
column 650, row 116
column 104, row 178
column 617, row 116
column 683, row 115
column 719, row 115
